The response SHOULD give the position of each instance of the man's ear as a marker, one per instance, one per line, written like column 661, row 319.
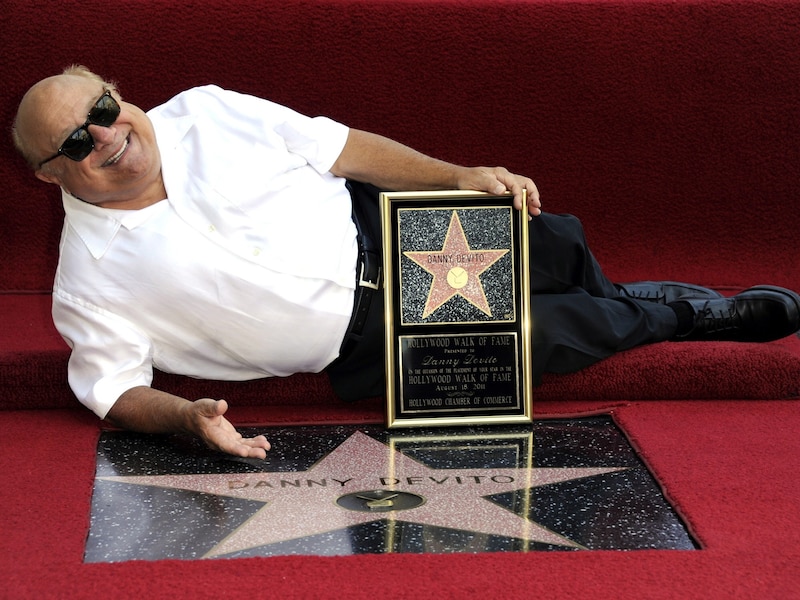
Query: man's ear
column 46, row 177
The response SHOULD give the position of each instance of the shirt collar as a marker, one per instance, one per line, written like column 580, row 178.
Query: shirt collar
column 94, row 225
column 170, row 133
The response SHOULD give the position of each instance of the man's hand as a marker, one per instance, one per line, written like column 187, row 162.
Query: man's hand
column 499, row 180
column 153, row 411
column 208, row 423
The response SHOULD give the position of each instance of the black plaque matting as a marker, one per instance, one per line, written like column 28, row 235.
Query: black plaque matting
column 458, row 343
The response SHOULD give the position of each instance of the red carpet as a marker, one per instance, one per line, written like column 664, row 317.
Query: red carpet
column 730, row 468
column 669, row 127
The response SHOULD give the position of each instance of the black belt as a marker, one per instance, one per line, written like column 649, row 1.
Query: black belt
column 368, row 281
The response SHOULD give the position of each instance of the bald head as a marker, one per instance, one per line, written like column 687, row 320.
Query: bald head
column 39, row 115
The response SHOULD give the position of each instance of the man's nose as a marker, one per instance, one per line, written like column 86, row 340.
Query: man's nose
column 102, row 135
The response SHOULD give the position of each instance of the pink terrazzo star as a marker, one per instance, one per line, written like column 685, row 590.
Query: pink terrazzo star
column 303, row 503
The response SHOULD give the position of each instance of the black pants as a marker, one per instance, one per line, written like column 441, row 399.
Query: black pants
column 579, row 317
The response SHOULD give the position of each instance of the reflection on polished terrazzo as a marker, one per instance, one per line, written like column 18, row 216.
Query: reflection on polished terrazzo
column 556, row 485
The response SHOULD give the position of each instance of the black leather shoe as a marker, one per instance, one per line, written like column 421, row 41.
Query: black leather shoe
column 665, row 292
column 760, row 314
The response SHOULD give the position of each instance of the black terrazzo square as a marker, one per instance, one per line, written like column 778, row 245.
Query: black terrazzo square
column 555, row 485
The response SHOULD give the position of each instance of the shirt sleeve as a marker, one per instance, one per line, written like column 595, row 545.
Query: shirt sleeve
column 109, row 355
column 318, row 140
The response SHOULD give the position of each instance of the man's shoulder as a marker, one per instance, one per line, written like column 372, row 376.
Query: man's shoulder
column 189, row 101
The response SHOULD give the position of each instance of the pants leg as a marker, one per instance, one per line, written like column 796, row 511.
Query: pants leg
column 579, row 317
column 560, row 258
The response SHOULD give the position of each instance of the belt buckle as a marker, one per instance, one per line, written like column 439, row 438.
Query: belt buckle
column 362, row 281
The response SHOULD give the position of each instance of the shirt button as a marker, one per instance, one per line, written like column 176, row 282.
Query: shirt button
column 211, row 229
column 256, row 251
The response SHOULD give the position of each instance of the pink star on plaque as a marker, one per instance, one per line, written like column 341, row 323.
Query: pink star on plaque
column 363, row 480
column 456, row 269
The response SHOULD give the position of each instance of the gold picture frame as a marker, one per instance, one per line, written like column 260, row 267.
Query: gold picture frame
column 458, row 322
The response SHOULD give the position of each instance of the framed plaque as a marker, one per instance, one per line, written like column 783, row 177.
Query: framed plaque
column 458, row 324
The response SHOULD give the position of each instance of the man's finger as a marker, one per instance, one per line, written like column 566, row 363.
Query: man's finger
column 258, row 441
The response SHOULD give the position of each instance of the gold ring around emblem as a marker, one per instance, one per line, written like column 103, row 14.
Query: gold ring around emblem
column 457, row 278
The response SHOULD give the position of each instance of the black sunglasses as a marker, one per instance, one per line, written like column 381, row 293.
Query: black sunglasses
column 80, row 142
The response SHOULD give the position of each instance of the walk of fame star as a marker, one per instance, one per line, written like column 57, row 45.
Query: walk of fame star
column 456, row 269
column 383, row 484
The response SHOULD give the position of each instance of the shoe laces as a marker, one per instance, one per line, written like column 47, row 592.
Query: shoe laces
column 719, row 319
column 649, row 296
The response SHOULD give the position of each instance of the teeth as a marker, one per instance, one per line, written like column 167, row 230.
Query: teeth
column 117, row 156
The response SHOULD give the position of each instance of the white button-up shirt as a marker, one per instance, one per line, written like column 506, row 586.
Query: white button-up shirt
column 246, row 270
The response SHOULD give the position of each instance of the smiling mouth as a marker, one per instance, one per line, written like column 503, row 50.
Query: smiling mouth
column 115, row 159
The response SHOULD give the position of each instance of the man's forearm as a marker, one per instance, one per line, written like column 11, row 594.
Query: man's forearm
column 390, row 165
column 147, row 410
